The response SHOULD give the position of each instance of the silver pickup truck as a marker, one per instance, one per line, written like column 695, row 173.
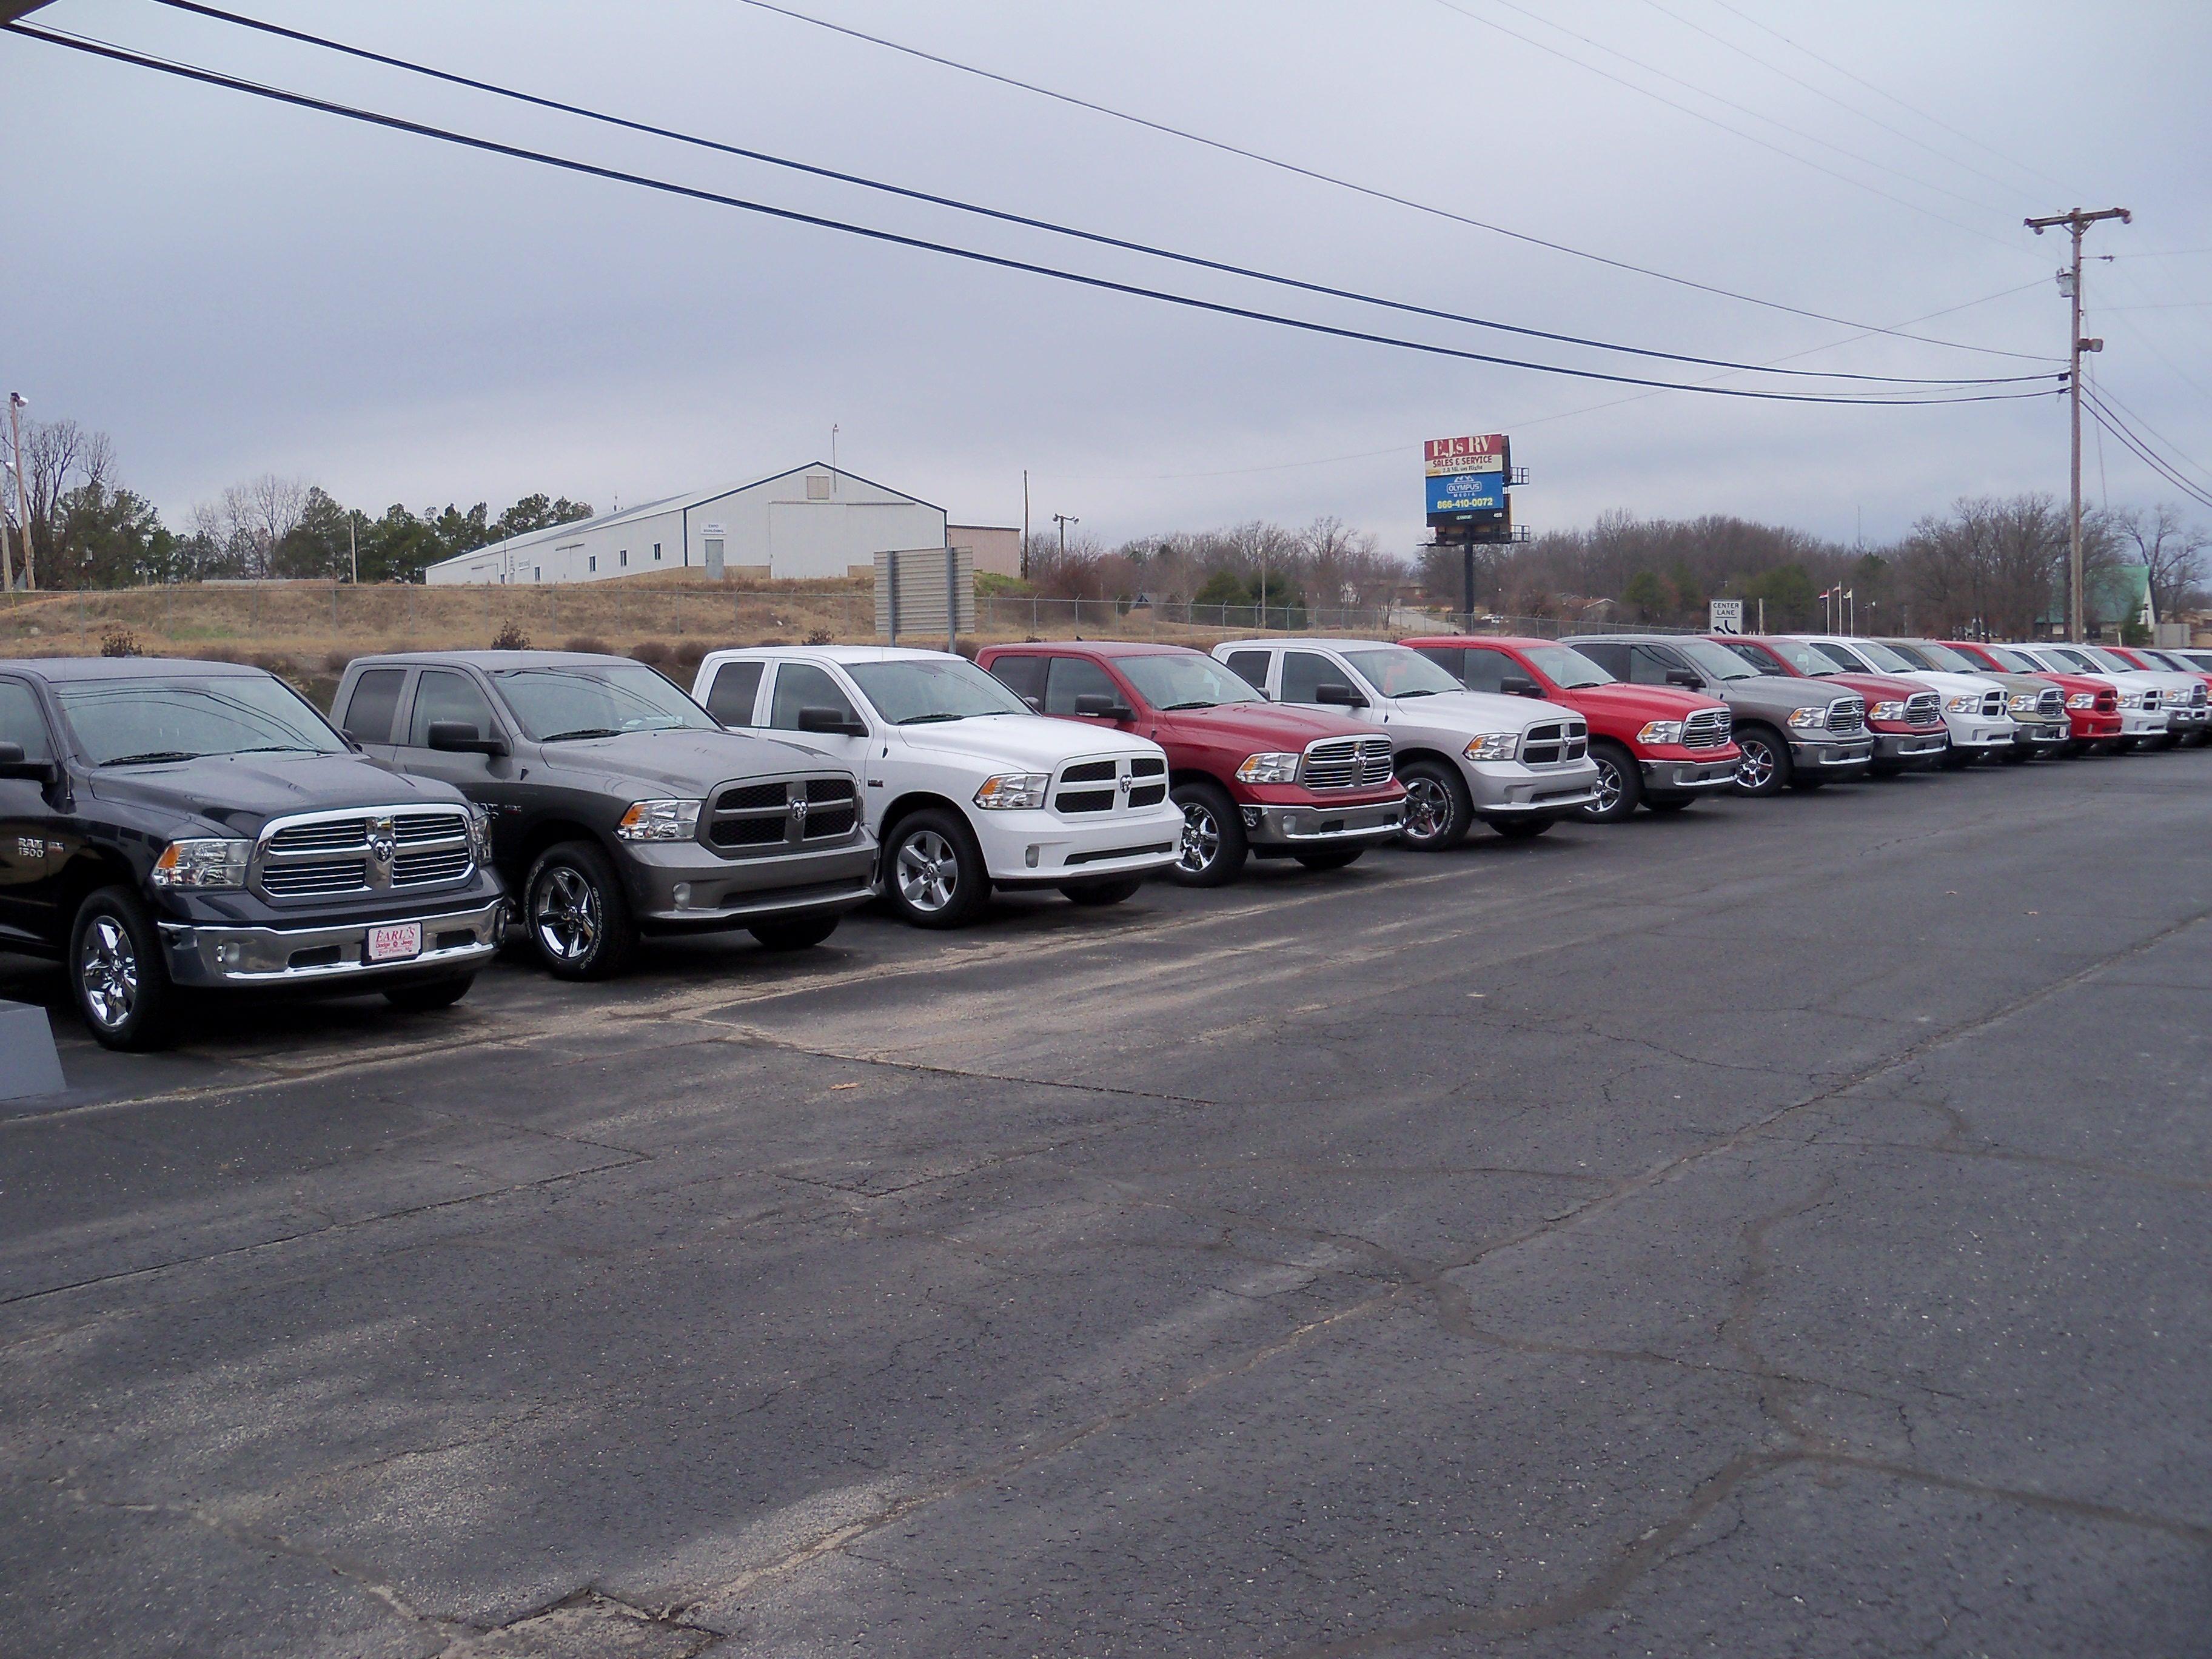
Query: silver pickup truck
column 1518, row 766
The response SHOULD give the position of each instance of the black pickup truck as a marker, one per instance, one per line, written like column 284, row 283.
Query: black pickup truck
column 168, row 826
column 619, row 808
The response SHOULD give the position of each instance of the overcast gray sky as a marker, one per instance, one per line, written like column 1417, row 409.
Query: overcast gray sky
column 229, row 287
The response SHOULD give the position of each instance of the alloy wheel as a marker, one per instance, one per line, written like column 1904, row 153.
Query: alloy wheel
column 568, row 914
column 1756, row 769
column 108, row 970
column 928, row 871
column 1201, row 839
column 1608, row 786
column 1428, row 809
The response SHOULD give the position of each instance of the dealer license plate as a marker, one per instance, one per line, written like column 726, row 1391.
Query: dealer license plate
column 395, row 941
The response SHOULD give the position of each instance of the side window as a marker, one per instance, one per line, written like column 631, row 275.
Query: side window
column 1024, row 676
column 1304, row 672
column 1613, row 659
column 22, row 721
column 1449, row 657
column 1071, row 678
column 802, row 685
column 442, row 695
column 730, row 698
column 367, row 713
column 1251, row 666
column 1647, row 666
column 1486, row 669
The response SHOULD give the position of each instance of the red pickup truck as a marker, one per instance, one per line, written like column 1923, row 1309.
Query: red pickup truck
column 1253, row 779
column 1655, row 745
column 1906, row 717
column 2092, row 706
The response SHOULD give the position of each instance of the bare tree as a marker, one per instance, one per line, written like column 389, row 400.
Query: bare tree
column 250, row 522
column 2169, row 547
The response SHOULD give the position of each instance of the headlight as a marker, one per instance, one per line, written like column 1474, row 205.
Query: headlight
column 210, row 863
column 2082, row 700
column 1887, row 711
column 1013, row 789
column 2022, row 702
column 1969, row 704
column 1492, row 746
column 1660, row 731
column 1270, row 768
column 480, row 833
column 1805, row 718
column 660, row 820
column 2131, row 699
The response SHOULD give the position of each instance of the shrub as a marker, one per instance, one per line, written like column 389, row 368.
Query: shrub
column 334, row 662
column 510, row 637
column 120, row 642
column 587, row 644
column 821, row 636
column 654, row 654
column 689, row 653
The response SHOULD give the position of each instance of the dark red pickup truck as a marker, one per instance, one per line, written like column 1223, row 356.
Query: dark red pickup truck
column 1253, row 779
column 1657, row 745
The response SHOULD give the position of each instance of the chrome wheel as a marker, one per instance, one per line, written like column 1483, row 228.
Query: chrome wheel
column 567, row 915
column 928, row 871
column 1608, row 787
column 1201, row 839
column 1428, row 808
column 107, row 968
column 1755, row 771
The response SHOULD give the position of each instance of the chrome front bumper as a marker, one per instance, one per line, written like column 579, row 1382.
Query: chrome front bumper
column 1323, row 826
column 1856, row 753
column 1910, row 745
column 1672, row 777
column 460, row 941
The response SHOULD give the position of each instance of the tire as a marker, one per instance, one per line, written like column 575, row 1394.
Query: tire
column 1214, row 847
column 1438, row 809
column 1764, row 768
column 794, row 935
column 117, row 977
column 1619, row 784
column 1526, row 829
column 933, row 874
column 427, row 995
column 1670, row 803
column 1098, row 894
column 1330, row 858
column 577, row 914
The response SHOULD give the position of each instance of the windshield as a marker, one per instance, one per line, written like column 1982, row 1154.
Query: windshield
column 2012, row 661
column 1889, row 661
column 1714, row 662
column 1943, row 657
column 1915, row 653
column 1398, row 671
column 1757, row 658
column 123, row 722
column 917, row 690
column 2106, row 660
column 2199, row 661
column 578, row 700
column 2074, row 659
column 1184, row 680
column 1805, row 658
column 1566, row 667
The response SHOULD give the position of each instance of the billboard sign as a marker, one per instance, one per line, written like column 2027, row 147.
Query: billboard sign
column 1487, row 453
column 1455, row 495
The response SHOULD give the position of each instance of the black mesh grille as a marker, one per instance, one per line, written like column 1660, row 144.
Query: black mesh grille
column 1148, row 794
column 1089, row 772
column 821, row 789
column 837, row 821
column 750, row 796
column 749, row 832
column 1087, row 800
column 1145, row 767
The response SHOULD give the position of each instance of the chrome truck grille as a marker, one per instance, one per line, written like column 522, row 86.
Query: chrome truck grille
column 1924, row 708
column 1346, row 763
column 375, row 850
column 2050, row 703
column 754, row 818
column 1847, row 715
column 1709, row 728
column 1555, row 743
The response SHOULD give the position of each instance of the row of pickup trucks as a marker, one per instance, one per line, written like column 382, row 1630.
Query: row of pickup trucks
column 170, row 827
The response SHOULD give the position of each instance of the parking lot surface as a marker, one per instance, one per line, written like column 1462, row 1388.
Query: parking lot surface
column 1777, row 1228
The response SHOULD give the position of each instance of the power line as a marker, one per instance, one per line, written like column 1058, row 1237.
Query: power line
column 1369, row 191
column 1028, row 221
column 2112, row 406
column 352, row 113
column 2142, row 452
column 2114, row 398
column 1714, row 121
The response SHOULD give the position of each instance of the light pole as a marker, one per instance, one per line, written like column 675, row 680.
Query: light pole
column 1064, row 520
column 2071, row 281
column 17, row 405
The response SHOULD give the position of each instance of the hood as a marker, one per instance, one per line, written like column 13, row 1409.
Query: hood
column 1471, row 712
column 1782, row 691
column 1875, row 688
column 1034, row 742
column 240, row 793
column 1954, row 685
column 1268, row 723
column 683, row 763
column 1650, row 701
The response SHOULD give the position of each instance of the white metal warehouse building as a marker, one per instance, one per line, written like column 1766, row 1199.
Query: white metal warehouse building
column 811, row 521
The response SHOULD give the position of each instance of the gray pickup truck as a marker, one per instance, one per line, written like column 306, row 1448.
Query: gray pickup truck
column 619, row 806
column 1792, row 733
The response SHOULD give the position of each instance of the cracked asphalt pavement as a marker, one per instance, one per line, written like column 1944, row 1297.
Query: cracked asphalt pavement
column 1781, row 1228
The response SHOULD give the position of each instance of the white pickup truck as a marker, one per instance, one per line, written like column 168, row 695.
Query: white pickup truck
column 1518, row 766
column 1974, row 705
column 965, row 787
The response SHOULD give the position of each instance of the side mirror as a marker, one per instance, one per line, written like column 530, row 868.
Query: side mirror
column 13, row 765
column 834, row 720
column 459, row 738
column 1105, row 705
column 1341, row 696
column 1035, row 704
column 1520, row 685
column 1686, row 678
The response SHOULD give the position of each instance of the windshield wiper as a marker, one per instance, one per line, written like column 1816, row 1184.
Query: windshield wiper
column 150, row 757
column 1419, row 691
column 582, row 732
column 279, row 749
column 1200, row 702
column 929, row 720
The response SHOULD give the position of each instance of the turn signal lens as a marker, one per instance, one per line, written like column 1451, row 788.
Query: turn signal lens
column 660, row 820
column 1660, row 731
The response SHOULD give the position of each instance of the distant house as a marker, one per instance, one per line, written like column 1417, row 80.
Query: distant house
column 2117, row 599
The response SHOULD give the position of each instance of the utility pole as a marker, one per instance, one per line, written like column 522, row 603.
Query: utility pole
column 1064, row 520
column 1025, row 523
column 2069, row 283
column 15, row 408
column 833, row 449
column 6, row 561
column 353, row 550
